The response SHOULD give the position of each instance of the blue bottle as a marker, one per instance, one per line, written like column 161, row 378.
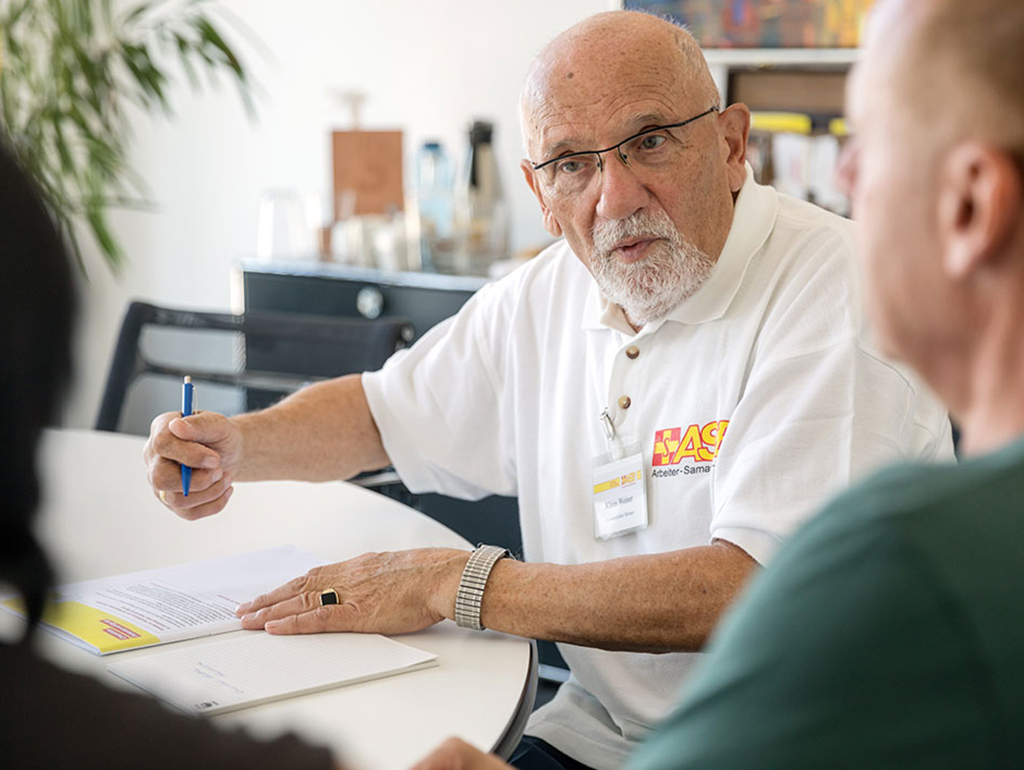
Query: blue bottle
column 436, row 211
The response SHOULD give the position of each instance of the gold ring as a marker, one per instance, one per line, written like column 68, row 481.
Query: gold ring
column 163, row 497
column 330, row 596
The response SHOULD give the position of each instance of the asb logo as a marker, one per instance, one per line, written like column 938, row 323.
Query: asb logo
column 700, row 444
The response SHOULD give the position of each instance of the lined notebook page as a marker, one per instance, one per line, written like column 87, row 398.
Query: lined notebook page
column 257, row 667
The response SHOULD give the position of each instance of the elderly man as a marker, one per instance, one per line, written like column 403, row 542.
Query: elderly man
column 669, row 392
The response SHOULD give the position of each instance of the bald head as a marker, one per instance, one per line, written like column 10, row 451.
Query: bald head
column 603, row 54
column 622, row 76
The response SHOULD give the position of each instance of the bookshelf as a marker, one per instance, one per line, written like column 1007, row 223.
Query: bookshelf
column 807, row 83
column 724, row 61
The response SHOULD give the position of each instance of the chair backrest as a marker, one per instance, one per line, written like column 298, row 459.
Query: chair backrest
column 259, row 356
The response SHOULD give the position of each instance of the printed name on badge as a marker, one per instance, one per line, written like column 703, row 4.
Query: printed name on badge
column 620, row 495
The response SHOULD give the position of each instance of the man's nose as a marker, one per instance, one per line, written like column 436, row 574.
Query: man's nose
column 622, row 191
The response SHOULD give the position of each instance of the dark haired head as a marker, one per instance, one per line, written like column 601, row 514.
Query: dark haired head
column 36, row 311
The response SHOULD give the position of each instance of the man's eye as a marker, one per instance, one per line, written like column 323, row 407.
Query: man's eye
column 652, row 141
column 570, row 166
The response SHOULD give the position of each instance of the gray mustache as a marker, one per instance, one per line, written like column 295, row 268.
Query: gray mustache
column 645, row 225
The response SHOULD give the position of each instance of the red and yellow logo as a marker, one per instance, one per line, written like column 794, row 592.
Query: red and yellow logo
column 701, row 444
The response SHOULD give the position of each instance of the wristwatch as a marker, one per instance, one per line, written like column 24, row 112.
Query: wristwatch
column 471, row 586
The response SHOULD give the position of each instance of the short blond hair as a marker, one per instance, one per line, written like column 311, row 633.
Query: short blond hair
column 964, row 68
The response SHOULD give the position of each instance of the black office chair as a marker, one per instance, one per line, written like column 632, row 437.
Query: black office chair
column 247, row 361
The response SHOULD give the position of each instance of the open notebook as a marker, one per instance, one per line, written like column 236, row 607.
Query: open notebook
column 169, row 604
column 256, row 667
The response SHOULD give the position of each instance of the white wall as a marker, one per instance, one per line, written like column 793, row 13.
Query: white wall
column 427, row 67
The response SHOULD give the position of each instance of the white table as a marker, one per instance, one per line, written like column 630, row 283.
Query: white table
column 99, row 518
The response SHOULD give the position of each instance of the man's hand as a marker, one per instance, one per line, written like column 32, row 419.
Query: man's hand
column 454, row 754
column 207, row 442
column 388, row 593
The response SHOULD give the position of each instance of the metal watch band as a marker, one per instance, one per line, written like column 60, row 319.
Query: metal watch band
column 471, row 586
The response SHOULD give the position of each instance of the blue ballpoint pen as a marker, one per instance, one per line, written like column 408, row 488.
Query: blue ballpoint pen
column 187, row 393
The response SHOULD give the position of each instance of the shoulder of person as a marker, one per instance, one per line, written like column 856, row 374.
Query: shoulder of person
column 872, row 526
column 97, row 723
column 808, row 236
column 906, row 496
column 555, row 262
column 803, row 216
column 805, row 277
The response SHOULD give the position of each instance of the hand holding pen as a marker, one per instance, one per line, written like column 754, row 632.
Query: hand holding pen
column 198, row 454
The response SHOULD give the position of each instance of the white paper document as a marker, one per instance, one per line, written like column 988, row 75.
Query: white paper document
column 156, row 606
column 255, row 668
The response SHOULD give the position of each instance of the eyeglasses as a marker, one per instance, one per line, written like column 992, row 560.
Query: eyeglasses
column 569, row 175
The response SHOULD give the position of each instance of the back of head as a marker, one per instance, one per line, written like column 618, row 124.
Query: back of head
column 965, row 69
column 36, row 310
column 937, row 177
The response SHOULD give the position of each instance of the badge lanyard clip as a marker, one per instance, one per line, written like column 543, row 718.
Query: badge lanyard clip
column 614, row 443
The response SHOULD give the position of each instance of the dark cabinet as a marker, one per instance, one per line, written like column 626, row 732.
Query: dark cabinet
column 424, row 300
column 327, row 289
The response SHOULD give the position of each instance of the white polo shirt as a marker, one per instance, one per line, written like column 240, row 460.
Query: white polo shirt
column 770, row 356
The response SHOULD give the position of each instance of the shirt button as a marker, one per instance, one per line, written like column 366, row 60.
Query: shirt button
column 632, row 352
column 624, row 402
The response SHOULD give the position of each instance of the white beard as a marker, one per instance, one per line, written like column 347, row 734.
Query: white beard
column 649, row 289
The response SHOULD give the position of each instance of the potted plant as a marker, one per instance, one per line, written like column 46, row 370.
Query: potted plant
column 69, row 69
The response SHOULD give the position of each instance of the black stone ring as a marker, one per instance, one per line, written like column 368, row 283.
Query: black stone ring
column 330, row 596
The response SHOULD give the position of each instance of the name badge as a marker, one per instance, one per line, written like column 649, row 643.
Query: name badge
column 620, row 493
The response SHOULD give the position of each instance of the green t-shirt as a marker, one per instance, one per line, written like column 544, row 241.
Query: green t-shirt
column 888, row 633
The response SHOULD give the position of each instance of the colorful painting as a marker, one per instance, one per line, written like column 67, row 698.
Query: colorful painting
column 765, row 23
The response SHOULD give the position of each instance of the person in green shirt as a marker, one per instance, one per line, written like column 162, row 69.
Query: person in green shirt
column 889, row 631
column 888, row 634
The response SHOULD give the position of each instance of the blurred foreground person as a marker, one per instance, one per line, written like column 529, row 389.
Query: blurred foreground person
column 49, row 717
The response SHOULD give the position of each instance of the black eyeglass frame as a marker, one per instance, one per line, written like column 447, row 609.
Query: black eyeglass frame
column 622, row 157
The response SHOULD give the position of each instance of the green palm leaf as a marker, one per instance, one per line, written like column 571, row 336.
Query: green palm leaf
column 68, row 68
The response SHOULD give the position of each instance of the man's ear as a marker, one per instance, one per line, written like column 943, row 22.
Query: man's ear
column 979, row 206
column 734, row 129
column 550, row 223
